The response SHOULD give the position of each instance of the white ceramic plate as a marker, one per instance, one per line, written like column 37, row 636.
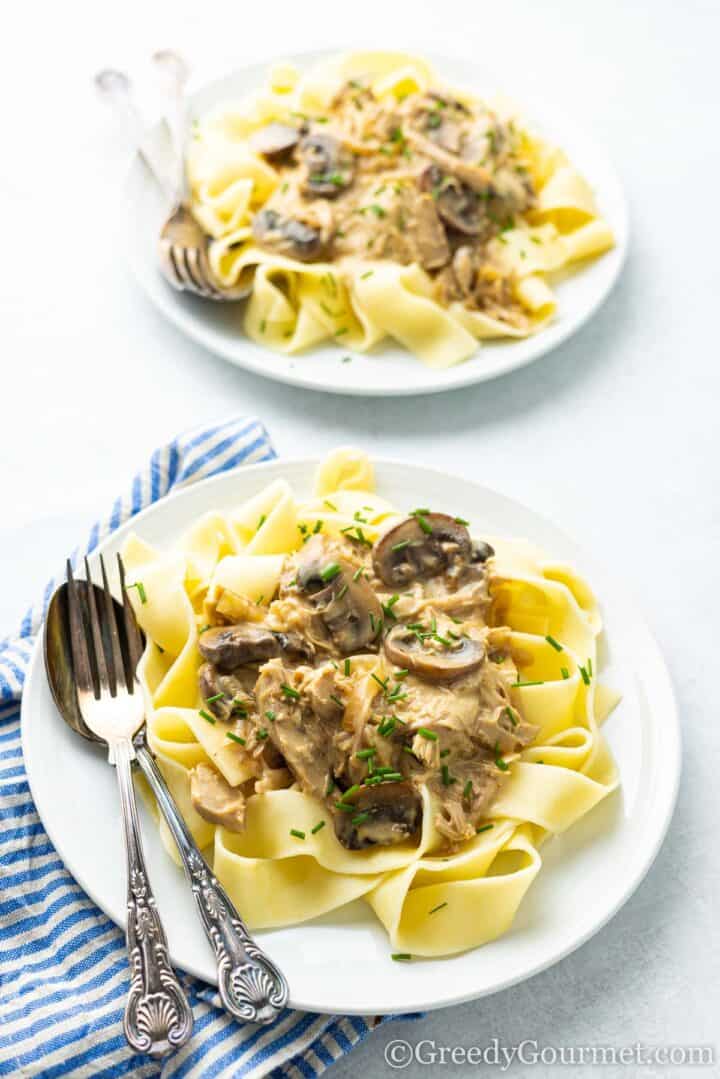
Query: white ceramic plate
column 389, row 370
column 588, row 873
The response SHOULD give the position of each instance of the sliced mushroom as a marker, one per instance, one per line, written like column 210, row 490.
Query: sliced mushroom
column 477, row 177
column 230, row 647
column 349, row 608
column 429, row 657
column 223, row 694
column 288, row 236
column 329, row 165
column 275, row 140
column 383, row 815
column 215, row 800
column 420, row 546
column 457, row 204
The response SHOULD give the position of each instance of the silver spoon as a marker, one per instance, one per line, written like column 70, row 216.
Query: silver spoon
column 250, row 985
column 182, row 246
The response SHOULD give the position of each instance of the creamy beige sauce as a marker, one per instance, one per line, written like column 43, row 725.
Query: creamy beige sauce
column 428, row 180
column 348, row 679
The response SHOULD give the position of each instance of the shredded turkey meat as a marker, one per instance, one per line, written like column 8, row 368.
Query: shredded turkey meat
column 376, row 673
column 428, row 180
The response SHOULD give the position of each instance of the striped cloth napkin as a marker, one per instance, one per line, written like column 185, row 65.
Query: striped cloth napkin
column 63, row 966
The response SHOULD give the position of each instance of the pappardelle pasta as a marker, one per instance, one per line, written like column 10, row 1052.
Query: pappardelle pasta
column 349, row 701
column 364, row 200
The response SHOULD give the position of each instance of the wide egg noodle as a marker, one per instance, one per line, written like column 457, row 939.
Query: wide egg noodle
column 430, row 902
column 289, row 310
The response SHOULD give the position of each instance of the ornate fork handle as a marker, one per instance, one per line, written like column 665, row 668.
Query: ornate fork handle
column 158, row 1018
column 251, row 986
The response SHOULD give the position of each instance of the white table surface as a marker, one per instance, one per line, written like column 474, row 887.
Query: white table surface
column 615, row 434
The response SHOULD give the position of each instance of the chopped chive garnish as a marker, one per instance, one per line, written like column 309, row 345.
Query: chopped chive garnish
column 261, row 522
column 522, row 685
column 317, row 528
column 330, row 786
column 444, row 752
column 368, row 273
column 511, row 717
column 318, row 826
column 430, row 735
column 400, row 546
column 366, row 754
column 207, row 716
column 342, row 591
column 468, row 789
column 359, row 818
column 424, row 523
column 270, row 715
column 502, row 765
column 297, row 834
column 346, row 667
column 585, row 676
column 262, row 734
column 215, row 697
column 401, row 957
column 382, row 683
column 337, row 701
column 484, row 828
column 330, row 571
column 564, row 672
column 555, row 644
column 350, row 792
column 402, row 673
column 290, row 692
column 330, row 505
column 140, row 591
column 440, row 906
column 446, row 777
column 345, row 808
column 357, row 574
column 387, row 726
column 235, row 738
column 589, row 666
column 462, row 521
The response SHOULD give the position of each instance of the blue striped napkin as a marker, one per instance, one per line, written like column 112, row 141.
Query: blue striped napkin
column 63, row 968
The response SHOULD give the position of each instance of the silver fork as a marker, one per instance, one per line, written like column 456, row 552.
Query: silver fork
column 182, row 245
column 157, row 1017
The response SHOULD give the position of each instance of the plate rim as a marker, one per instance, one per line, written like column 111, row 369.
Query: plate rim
column 640, row 869
column 467, row 373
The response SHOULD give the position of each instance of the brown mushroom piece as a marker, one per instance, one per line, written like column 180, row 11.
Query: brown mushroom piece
column 349, row 608
column 275, row 140
column 329, row 165
column 230, row 647
column 383, row 815
column 431, row 659
column 215, row 800
column 422, row 545
column 288, row 236
column 457, row 204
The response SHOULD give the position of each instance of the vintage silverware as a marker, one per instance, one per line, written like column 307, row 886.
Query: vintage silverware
column 157, row 1017
column 250, row 985
column 182, row 246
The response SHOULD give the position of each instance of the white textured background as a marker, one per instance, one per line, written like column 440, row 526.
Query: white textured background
column 615, row 434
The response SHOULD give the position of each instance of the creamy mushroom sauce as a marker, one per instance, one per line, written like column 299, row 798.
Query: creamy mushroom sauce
column 292, row 681
column 429, row 179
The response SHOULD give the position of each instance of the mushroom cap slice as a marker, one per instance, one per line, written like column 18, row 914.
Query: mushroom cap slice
column 288, row 236
column 456, row 203
column 430, row 658
column 422, row 545
column 274, row 140
column 394, row 814
column 349, row 609
column 230, row 647
column 329, row 165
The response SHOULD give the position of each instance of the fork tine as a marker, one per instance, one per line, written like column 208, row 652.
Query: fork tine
column 116, row 664
column 132, row 633
column 176, row 260
column 78, row 641
column 100, row 658
column 198, row 270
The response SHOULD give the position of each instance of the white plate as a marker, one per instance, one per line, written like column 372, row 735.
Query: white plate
column 389, row 370
column 341, row 962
